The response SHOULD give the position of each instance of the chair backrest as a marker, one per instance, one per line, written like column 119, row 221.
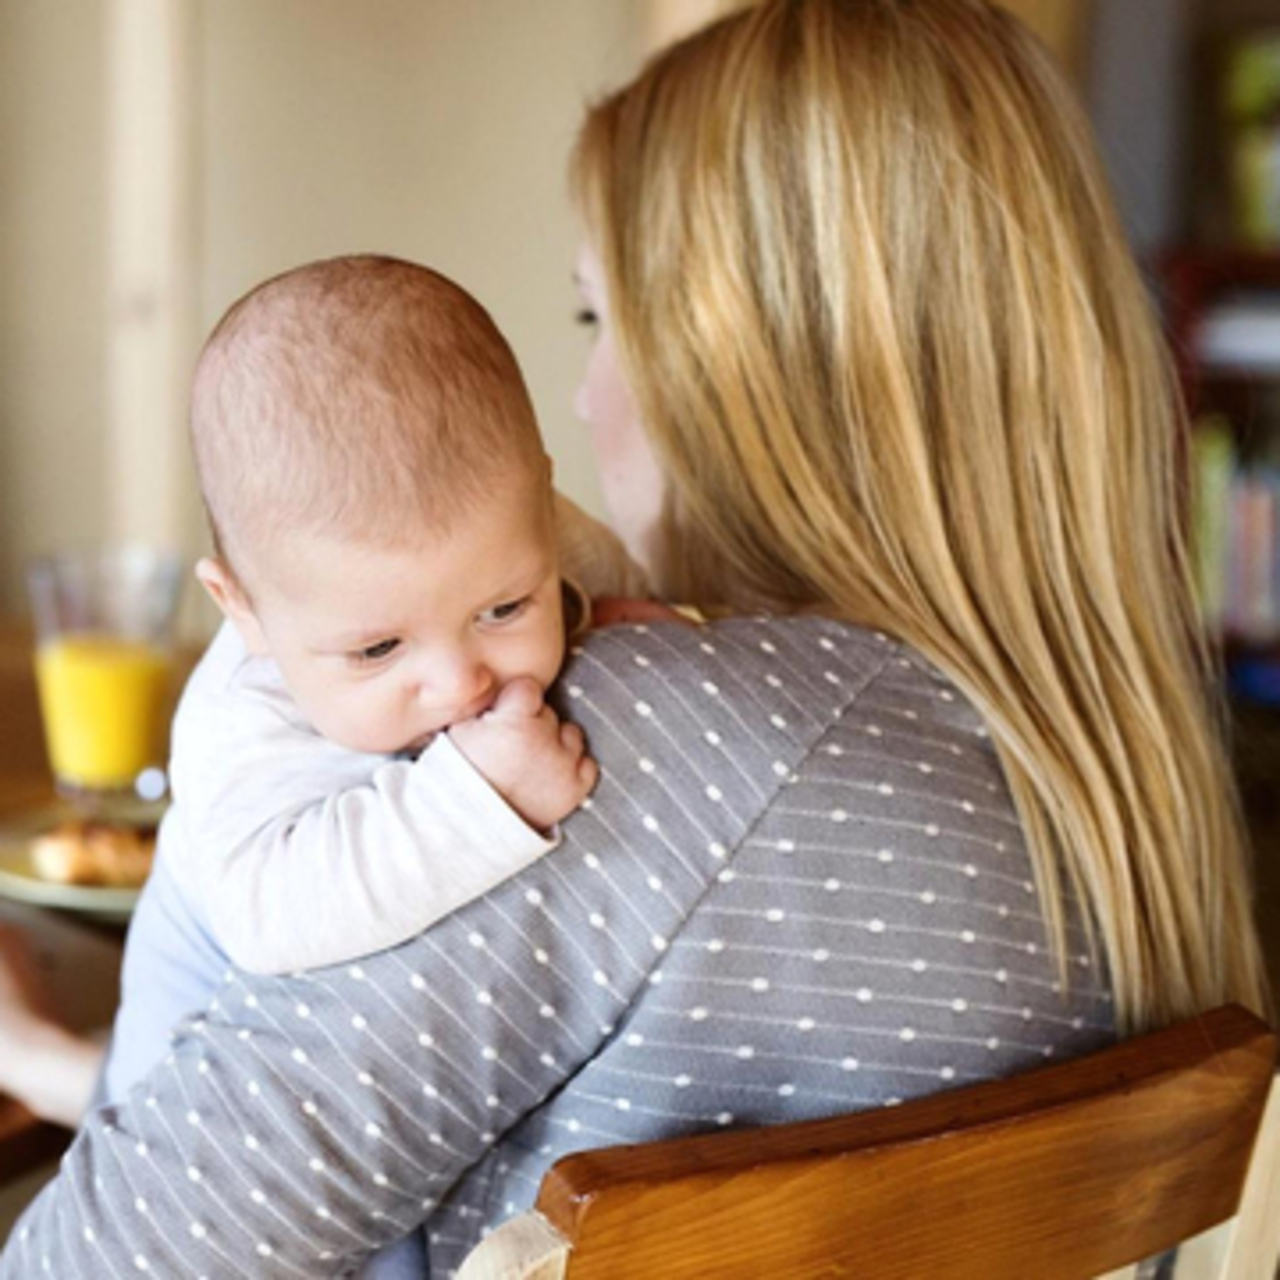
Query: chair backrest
column 1069, row 1171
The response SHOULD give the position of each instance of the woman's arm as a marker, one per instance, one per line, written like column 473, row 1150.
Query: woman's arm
column 302, row 1123
column 49, row 1069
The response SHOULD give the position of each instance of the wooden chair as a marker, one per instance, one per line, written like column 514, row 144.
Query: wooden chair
column 1071, row 1171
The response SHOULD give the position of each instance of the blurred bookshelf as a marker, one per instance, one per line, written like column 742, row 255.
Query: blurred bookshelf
column 1221, row 296
column 1222, row 308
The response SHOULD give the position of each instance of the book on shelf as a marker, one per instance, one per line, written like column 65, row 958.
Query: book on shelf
column 1235, row 537
column 1251, row 107
column 1213, row 464
column 1250, row 612
column 1241, row 334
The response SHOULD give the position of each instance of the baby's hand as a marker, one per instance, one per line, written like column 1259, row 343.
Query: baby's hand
column 538, row 765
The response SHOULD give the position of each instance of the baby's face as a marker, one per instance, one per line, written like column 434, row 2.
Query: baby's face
column 382, row 648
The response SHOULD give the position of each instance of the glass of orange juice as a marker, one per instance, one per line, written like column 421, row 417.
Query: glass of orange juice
column 104, row 666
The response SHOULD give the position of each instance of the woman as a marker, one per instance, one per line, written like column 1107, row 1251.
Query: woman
column 889, row 345
column 871, row 353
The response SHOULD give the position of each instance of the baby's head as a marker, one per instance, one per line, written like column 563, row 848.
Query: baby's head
column 379, row 497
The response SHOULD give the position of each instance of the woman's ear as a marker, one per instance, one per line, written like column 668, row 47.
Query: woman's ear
column 226, row 592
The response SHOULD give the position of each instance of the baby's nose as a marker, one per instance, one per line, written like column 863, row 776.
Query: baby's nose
column 457, row 683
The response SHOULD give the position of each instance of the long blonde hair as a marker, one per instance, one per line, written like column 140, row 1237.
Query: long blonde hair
column 897, row 361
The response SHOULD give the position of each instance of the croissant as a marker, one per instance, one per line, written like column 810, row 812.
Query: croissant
column 95, row 853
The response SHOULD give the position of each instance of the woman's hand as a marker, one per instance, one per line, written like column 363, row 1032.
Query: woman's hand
column 24, row 1002
column 42, row 1064
column 608, row 611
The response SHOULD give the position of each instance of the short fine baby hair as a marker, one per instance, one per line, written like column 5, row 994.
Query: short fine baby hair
column 360, row 397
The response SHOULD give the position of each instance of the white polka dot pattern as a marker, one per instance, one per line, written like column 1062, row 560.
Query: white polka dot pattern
column 799, row 889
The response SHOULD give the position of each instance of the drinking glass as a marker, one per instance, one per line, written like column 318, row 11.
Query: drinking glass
column 104, row 667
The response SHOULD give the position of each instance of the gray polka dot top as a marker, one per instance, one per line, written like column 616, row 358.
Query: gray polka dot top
column 799, row 889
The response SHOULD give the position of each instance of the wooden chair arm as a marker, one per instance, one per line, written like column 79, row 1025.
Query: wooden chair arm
column 1068, row 1171
column 1247, row 1246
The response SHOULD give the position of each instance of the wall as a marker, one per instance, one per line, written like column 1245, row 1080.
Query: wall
column 52, row 314
column 1138, row 85
column 435, row 131
column 1061, row 24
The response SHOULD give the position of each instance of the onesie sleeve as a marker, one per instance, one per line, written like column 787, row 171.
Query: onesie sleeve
column 364, row 869
column 305, row 854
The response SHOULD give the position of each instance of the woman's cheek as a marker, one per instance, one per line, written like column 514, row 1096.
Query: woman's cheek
column 630, row 478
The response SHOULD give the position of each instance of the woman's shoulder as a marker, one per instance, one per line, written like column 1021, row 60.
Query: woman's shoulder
column 803, row 642
column 820, row 666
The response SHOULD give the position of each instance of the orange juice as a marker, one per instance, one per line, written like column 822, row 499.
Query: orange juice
column 105, row 702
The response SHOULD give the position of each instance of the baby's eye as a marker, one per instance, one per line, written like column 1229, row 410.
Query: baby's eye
column 376, row 652
column 586, row 316
column 505, row 612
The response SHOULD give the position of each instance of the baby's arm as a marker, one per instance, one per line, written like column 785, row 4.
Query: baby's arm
column 307, row 855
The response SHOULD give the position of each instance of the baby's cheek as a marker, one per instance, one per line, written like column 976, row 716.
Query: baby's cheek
column 357, row 719
column 549, row 662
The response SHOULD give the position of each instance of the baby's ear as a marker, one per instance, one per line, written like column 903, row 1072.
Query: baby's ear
column 226, row 592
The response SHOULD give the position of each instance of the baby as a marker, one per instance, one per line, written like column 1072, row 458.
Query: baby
column 364, row 748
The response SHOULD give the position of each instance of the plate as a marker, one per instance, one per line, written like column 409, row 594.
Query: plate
column 19, row 880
